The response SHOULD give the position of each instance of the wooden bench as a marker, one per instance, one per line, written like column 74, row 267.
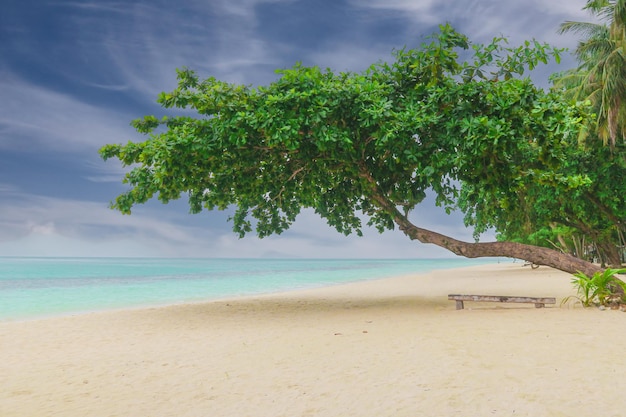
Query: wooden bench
column 539, row 302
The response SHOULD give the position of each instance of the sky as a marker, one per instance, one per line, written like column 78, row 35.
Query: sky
column 73, row 74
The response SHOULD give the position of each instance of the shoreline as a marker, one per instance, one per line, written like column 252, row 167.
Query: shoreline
column 140, row 284
column 216, row 298
column 394, row 346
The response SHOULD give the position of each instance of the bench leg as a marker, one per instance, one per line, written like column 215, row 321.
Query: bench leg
column 539, row 305
column 459, row 305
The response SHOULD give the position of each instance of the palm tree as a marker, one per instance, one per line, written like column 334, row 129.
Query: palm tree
column 601, row 74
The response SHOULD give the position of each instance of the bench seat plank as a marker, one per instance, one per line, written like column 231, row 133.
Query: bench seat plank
column 538, row 301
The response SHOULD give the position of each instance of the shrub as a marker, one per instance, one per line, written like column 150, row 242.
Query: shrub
column 603, row 288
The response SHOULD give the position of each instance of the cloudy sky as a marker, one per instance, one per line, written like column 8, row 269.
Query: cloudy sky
column 74, row 73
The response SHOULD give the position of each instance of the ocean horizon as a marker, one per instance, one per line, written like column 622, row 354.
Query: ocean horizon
column 39, row 287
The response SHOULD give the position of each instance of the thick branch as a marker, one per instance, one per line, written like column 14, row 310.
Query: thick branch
column 535, row 254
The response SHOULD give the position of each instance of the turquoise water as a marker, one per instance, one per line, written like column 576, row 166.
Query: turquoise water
column 41, row 287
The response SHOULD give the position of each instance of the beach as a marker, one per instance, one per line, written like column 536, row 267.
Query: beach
column 391, row 347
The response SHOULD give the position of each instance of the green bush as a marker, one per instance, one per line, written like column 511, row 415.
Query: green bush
column 600, row 289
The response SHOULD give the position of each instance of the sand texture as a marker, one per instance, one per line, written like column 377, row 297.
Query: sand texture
column 394, row 347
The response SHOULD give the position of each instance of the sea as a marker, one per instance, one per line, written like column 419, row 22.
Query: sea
column 33, row 288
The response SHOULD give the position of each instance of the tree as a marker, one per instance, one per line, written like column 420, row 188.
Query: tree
column 601, row 75
column 372, row 143
column 578, row 207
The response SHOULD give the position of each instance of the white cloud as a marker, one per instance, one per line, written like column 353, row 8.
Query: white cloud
column 571, row 8
column 214, row 38
column 244, row 9
column 418, row 10
column 55, row 121
column 55, row 245
column 484, row 19
column 39, row 214
column 480, row 20
column 44, row 226
column 7, row 188
column 41, row 229
column 101, row 171
column 347, row 56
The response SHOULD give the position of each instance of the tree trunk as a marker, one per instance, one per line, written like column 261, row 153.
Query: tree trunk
column 609, row 253
column 535, row 254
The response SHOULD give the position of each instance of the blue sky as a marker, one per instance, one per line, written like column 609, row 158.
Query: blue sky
column 73, row 74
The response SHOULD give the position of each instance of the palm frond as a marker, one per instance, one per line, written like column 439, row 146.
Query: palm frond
column 619, row 12
column 591, row 53
column 601, row 73
column 596, row 5
column 582, row 28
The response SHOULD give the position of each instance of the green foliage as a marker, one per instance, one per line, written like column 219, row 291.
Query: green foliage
column 583, row 189
column 580, row 199
column 601, row 74
column 602, row 288
column 371, row 142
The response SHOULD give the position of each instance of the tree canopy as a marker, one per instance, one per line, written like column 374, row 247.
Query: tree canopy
column 473, row 131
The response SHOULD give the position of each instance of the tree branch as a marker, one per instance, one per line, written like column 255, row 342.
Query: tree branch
column 535, row 254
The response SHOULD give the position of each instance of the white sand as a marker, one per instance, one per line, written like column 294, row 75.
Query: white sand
column 395, row 347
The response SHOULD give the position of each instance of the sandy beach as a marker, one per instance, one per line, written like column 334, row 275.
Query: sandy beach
column 394, row 347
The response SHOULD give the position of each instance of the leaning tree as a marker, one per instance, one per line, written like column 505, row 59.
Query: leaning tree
column 371, row 143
